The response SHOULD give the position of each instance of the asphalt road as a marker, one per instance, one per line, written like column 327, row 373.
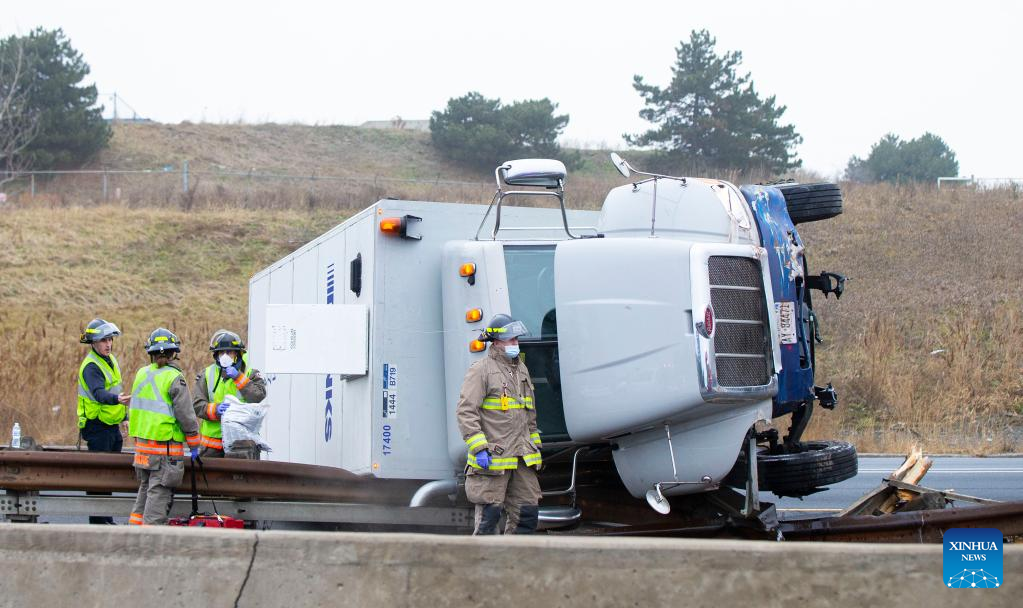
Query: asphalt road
column 999, row 478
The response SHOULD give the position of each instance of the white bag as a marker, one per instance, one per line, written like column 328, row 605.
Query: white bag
column 241, row 421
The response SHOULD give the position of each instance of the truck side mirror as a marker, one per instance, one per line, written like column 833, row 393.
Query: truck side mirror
column 620, row 164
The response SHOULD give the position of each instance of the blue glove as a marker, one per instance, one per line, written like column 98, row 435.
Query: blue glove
column 195, row 453
column 221, row 408
column 483, row 459
column 231, row 372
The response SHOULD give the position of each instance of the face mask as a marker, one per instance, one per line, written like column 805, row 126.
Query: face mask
column 225, row 360
column 511, row 351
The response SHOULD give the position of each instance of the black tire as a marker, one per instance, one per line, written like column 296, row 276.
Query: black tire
column 812, row 202
column 817, row 464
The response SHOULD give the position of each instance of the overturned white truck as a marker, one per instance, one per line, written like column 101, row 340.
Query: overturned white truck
column 663, row 328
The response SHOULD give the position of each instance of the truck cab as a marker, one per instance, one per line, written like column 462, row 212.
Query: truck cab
column 654, row 331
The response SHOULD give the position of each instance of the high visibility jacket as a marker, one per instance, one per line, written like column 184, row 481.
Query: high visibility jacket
column 209, row 429
column 496, row 412
column 152, row 409
column 88, row 407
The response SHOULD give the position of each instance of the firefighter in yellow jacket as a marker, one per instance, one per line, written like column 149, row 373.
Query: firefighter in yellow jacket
column 161, row 420
column 229, row 375
column 497, row 419
column 102, row 405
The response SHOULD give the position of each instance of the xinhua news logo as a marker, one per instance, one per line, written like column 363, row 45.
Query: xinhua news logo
column 972, row 558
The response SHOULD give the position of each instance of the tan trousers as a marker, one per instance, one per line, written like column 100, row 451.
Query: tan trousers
column 510, row 489
column 156, row 490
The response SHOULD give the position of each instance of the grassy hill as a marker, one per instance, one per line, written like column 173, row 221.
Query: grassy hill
column 925, row 347
column 298, row 149
column 282, row 167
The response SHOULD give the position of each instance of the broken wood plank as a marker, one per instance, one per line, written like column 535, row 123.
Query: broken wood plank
column 949, row 494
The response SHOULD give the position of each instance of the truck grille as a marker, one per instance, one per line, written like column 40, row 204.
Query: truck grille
column 741, row 332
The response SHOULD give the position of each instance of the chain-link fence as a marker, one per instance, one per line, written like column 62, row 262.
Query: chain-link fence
column 190, row 189
column 982, row 183
column 187, row 189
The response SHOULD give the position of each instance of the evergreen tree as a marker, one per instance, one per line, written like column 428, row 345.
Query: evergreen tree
column 71, row 129
column 710, row 117
column 925, row 158
column 481, row 133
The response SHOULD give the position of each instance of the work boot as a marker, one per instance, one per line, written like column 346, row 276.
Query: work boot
column 529, row 518
column 488, row 520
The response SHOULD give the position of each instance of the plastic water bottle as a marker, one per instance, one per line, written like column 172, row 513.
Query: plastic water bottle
column 16, row 436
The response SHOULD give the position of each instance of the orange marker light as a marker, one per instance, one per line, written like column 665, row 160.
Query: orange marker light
column 474, row 315
column 467, row 270
column 392, row 225
column 476, row 346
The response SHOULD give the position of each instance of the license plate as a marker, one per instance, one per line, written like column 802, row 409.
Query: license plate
column 786, row 313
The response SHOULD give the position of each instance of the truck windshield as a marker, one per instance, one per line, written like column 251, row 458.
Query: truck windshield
column 530, row 272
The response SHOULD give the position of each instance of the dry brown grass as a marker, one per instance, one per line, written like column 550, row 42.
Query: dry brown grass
column 927, row 344
column 931, row 271
column 140, row 268
column 296, row 149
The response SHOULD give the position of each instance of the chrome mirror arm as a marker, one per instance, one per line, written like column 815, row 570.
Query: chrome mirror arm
column 626, row 170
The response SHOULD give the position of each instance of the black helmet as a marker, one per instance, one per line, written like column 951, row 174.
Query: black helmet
column 97, row 330
column 226, row 340
column 503, row 327
column 162, row 341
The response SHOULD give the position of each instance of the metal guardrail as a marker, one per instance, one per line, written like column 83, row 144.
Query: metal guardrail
column 30, row 505
column 910, row 527
column 37, row 484
column 100, row 472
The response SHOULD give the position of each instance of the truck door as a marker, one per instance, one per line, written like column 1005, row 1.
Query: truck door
column 625, row 333
column 632, row 355
column 509, row 279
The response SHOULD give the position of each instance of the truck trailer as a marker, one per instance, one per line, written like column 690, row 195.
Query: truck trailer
column 667, row 329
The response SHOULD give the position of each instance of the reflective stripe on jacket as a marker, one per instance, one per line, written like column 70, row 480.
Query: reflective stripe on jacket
column 158, row 448
column 215, row 443
column 88, row 407
column 507, row 403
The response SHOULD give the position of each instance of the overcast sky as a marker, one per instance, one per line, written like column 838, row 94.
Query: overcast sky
column 849, row 72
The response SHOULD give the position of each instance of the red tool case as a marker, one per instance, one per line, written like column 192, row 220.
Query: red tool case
column 203, row 520
column 207, row 521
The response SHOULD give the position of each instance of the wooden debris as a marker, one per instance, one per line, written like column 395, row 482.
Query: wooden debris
column 887, row 498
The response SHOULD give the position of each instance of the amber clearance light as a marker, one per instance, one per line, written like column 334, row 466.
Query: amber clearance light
column 392, row 225
column 477, row 346
column 474, row 315
column 468, row 270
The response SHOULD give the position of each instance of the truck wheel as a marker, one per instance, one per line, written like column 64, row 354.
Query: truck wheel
column 812, row 202
column 817, row 464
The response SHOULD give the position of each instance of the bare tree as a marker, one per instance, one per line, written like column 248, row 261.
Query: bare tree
column 19, row 122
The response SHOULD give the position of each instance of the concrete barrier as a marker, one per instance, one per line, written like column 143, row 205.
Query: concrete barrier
column 100, row 566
